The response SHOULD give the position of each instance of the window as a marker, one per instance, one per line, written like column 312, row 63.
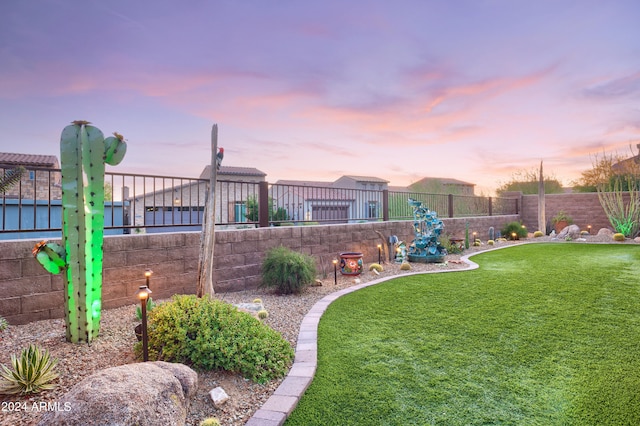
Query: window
column 372, row 209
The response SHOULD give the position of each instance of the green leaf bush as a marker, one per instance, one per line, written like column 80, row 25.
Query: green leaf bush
column 4, row 324
column 511, row 227
column 287, row 271
column 210, row 334
column 32, row 372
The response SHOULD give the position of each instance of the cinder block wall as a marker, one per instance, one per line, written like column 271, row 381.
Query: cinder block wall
column 584, row 208
column 29, row 293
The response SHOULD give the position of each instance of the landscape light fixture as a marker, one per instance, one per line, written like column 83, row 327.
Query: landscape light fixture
column 513, row 236
column 143, row 294
column 335, row 271
column 589, row 229
column 147, row 275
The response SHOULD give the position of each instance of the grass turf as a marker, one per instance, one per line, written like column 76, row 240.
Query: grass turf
column 541, row 334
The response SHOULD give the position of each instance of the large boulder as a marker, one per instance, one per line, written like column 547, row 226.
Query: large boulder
column 146, row 393
column 571, row 231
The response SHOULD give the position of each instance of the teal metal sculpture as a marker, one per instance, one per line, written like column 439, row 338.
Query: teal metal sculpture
column 83, row 154
column 427, row 227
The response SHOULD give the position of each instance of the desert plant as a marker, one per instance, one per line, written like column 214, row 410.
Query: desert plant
column 150, row 305
column 618, row 236
column 287, row 271
column 211, row 334
column 211, row 421
column 405, row 266
column 3, row 323
column 376, row 267
column 492, row 233
column 466, row 235
column 263, row 314
column 491, row 242
column 257, row 301
column 32, row 372
column 514, row 230
column 538, row 234
column 477, row 243
column 562, row 216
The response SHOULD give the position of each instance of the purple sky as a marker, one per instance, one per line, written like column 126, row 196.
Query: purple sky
column 313, row 90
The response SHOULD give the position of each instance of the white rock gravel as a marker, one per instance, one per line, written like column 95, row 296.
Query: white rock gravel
column 115, row 344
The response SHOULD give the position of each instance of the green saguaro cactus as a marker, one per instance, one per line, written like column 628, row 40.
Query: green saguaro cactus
column 83, row 154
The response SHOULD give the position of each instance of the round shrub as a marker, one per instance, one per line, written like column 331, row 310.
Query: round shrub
column 491, row 242
column 618, row 236
column 211, row 421
column 376, row 267
column 210, row 334
column 538, row 234
column 514, row 227
column 287, row 271
column 405, row 266
column 263, row 314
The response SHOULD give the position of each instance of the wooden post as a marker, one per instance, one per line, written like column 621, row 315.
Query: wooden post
column 207, row 238
column 542, row 222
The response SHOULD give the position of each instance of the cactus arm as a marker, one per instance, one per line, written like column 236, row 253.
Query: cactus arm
column 114, row 149
column 51, row 256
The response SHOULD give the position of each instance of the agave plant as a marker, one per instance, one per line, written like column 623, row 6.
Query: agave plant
column 32, row 372
column 3, row 323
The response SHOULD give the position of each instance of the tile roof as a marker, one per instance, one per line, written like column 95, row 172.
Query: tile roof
column 234, row 171
column 33, row 160
column 366, row 179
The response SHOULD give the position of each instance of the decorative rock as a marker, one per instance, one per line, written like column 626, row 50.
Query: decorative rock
column 357, row 281
column 218, row 396
column 317, row 283
column 146, row 393
column 571, row 231
column 606, row 232
column 636, row 240
column 249, row 307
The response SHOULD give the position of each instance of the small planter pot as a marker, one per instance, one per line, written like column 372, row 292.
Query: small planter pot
column 351, row 263
column 138, row 332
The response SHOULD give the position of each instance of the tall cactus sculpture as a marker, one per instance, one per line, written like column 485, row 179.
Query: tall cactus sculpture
column 83, row 154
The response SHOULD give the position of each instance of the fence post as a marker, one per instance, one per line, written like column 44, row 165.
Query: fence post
column 490, row 207
column 517, row 205
column 450, row 197
column 385, row 205
column 263, row 204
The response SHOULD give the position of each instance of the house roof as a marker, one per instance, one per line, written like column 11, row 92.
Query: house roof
column 366, row 179
column 234, row 171
column 303, row 183
column 444, row 181
column 33, row 160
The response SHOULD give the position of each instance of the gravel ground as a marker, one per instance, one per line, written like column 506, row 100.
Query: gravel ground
column 115, row 347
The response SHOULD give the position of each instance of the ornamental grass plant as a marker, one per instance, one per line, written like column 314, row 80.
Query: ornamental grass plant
column 287, row 271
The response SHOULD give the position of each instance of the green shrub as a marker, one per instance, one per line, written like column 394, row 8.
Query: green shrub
column 618, row 236
column 445, row 241
column 3, row 323
column 210, row 334
column 32, row 372
column 287, row 271
column 514, row 227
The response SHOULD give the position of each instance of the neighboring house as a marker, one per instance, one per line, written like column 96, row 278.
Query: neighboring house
column 629, row 165
column 182, row 201
column 41, row 179
column 434, row 185
column 347, row 199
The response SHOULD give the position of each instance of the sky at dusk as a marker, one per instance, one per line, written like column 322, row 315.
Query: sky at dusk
column 313, row 90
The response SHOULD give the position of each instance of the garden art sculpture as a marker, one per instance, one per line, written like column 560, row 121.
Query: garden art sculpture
column 427, row 227
column 83, row 154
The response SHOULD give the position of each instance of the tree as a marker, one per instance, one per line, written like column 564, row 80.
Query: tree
column 11, row 177
column 527, row 182
column 602, row 171
column 207, row 238
column 253, row 209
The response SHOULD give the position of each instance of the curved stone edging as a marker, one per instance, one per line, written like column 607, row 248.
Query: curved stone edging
column 284, row 400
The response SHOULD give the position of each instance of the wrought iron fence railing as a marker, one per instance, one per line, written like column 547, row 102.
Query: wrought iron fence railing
column 134, row 203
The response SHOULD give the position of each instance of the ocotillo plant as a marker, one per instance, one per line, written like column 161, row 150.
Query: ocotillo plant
column 83, row 154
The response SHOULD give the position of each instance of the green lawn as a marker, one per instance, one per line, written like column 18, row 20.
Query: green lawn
column 540, row 334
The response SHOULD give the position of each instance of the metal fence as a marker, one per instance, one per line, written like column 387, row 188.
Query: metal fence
column 148, row 203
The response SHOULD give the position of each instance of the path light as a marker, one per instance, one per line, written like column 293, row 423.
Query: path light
column 513, row 236
column 475, row 236
column 589, row 229
column 147, row 275
column 335, row 271
column 143, row 294
column 379, row 253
